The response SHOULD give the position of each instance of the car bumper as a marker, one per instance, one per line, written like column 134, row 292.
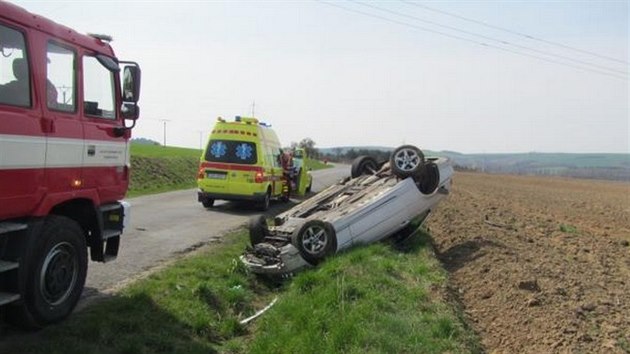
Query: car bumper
column 286, row 262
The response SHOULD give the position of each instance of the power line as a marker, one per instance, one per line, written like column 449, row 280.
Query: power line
column 514, row 32
column 490, row 38
column 470, row 40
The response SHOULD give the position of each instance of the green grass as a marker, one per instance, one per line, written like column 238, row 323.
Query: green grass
column 316, row 165
column 156, row 169
column 146, row 150
column 372, row 299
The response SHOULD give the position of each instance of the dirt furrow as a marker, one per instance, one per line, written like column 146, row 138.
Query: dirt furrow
column 539, row 264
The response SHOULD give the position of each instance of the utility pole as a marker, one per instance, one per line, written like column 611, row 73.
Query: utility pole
column 64, row 89
column 254, row 109
column 200, row 136
column 164, row 121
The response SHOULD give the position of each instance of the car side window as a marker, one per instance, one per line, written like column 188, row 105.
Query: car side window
column 15, row 83
column 60, row 78
column 98, row 89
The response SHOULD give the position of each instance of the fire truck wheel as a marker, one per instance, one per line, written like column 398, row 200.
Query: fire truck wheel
column 257, row 229
column 54, row 276
column 315, row 240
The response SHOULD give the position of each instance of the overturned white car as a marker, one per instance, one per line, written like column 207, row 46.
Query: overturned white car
column 379, row 200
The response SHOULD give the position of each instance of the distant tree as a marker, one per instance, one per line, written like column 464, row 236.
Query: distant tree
column 309, row 146
column 144, row 141
column 338, row 152
column 351, row 154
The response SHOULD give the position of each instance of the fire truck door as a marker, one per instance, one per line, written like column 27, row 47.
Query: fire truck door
column 65, row 144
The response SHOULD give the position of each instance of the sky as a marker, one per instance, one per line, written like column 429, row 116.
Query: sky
column 344, row 73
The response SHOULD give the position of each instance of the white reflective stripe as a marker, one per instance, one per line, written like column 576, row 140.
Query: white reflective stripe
column 64, row 153
column 22, row 152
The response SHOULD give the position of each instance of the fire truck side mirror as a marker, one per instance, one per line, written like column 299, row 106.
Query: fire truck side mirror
column 131, row 84
column 130, row 111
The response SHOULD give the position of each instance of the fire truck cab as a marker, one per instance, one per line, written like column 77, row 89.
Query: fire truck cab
column 67, row 106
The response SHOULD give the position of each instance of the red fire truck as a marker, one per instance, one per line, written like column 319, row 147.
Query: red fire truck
column 67, row 106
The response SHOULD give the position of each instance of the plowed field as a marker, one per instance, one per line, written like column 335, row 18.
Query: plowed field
column 539, row 265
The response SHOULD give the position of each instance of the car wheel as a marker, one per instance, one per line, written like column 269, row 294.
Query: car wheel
column 315, row 240
column 207, row 203
column 264, row 204
column 257, row 229
column 406, row 160
column 54, row 275
column 363, row 165
column 429, row 179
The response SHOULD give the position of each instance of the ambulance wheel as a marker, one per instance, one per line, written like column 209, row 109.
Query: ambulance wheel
column 208, row 203
column 257, row 229
column 264, row 204
column 315, row 240
column 406, row 160
column 54, row 276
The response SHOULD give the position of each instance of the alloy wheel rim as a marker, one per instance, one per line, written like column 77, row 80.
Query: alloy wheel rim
column 314, row 239
column 407, row 159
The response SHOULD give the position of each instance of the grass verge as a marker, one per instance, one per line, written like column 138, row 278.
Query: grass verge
column 371, row 299
column 156, row 169
column 315, row 165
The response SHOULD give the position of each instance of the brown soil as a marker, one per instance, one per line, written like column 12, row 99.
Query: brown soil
column 540, row 265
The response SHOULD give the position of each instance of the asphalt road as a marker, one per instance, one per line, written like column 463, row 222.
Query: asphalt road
column 165, row 225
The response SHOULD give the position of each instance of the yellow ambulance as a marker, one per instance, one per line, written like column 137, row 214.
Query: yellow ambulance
column 241, row 162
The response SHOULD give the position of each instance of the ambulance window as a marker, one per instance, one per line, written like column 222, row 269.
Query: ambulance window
column 98, row 89
column 15, row 86
column 60, row 78
column 276, row 157
column 230, row 151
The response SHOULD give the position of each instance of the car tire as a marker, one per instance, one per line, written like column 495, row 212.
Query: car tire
column 363, row 165
column 315, row 240
column 53, row 276
column 429, row 179
column 406, row 160
column 257, row 229
column 207, row 203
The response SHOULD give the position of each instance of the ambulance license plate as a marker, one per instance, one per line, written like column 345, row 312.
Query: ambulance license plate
column 215, row 175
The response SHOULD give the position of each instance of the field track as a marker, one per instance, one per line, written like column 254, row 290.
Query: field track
column 539, row 265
